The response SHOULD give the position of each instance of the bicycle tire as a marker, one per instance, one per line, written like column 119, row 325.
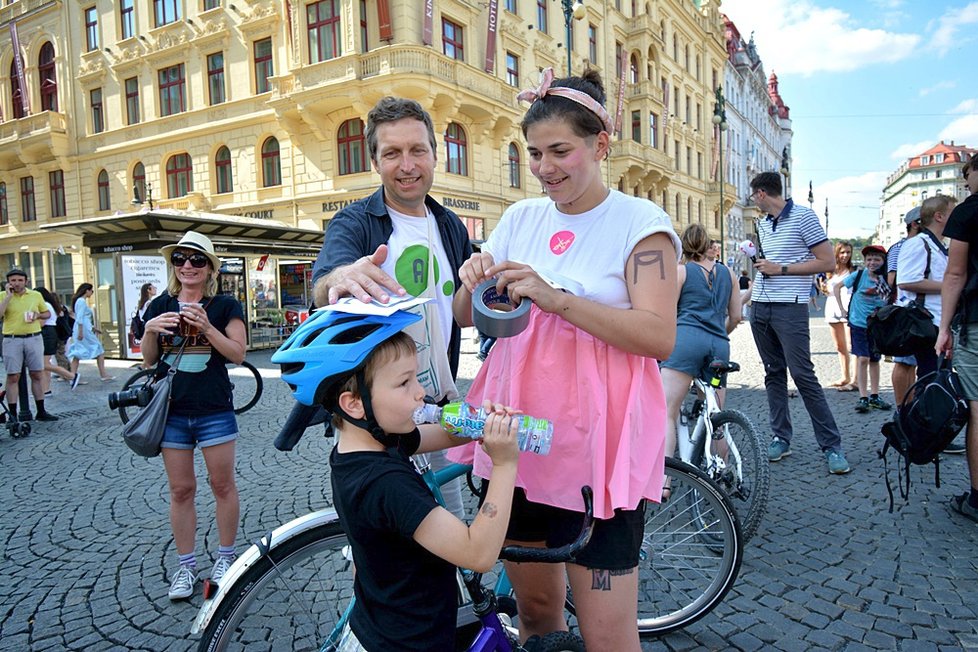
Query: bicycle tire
column 299, row 590
column 245, row 389
column 748, row 494
column 137, row 378
column 682, row 574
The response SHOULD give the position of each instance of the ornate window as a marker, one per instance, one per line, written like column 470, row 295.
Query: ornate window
column 56, row 183
column 263, row 65
column 222, row 163
column 179, row 175
column 98, row 115
column 104, row 202
column 215, row 78
column 452, row 40
column 323, row 27
column 28, row 211
column 127, row 21
column 139, row 182
column 132, row 100
column 352, row 147
column 172, row 84
column 16, row 93
column 49, row 79
column 91, row 29
column 166, row 11
column 4, row 212
column 271, row 163
column 456, row 150
column 515, row 180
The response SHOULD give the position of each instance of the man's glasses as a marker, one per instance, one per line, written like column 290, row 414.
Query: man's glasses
column 178, row 258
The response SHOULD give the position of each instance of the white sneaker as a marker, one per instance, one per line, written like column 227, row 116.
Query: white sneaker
column 221, row 567
column 182, row 584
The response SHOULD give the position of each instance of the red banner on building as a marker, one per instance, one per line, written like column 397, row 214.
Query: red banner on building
column 262, row 262
column 621, row 89
column 491, row 35
column 25, row 100
column 429, row 17
column 384, row 20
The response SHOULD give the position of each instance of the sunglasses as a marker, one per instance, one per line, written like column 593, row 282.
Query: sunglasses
column 178, row 258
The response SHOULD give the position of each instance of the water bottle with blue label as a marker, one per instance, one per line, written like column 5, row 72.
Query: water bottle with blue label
column 463, row 420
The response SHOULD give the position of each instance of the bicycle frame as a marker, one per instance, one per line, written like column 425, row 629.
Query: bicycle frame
column 703, row 433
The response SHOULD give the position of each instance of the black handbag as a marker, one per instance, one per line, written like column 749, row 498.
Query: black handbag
column 901, row 330
column 144, row 433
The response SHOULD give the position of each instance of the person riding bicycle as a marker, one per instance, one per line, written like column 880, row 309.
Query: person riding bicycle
column 363, row 369
column 708, row 311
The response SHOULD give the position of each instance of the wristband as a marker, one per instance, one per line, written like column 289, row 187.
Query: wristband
column 784, row 270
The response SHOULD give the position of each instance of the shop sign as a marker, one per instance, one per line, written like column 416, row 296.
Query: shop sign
column 111, row 249
column 266, row 214
column 463, row 204
column 333, row 206
column 136, row 271
column 232, row 265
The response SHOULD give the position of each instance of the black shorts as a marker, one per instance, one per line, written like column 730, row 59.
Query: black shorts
column 615, row 543
column 50, row 336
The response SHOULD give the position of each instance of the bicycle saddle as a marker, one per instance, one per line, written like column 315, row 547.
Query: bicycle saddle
column 724, row 367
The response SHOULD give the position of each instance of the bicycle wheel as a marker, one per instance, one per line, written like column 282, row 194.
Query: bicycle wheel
column 136, row 380
column 747, row 490
column 246, row 385
column 293, row 598
column 682, row 576
column 691, row 553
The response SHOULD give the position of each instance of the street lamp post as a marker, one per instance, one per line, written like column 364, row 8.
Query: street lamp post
column 720, row 120
column 573, row 10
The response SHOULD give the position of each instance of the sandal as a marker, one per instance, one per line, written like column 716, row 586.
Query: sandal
column 961, row 505
column 847, row 388
column 666, row 491
column 840, row 383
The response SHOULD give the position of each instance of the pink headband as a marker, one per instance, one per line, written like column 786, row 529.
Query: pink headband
column 547, row 78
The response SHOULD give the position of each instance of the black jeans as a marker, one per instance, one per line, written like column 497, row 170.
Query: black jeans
column 781, row 334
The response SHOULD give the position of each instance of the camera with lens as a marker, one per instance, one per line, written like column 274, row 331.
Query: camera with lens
column 137, row 396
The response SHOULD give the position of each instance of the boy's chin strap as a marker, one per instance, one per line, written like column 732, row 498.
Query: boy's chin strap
column 369, row 423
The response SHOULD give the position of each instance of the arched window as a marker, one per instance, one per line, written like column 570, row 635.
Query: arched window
column 103, row 191
column 633, row 68
column 179, row 175
column 15, row 92
column 139, row 182
column 4, row 215
column 49, row 79
column 352, row 147
column 689, row 209
column 222, row 165
column 699, row 212
column 678, row 215
column 514, row 166
column 271, row 163
column 456, row 150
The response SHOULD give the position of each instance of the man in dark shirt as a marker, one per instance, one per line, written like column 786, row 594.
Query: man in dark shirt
column 959, row 296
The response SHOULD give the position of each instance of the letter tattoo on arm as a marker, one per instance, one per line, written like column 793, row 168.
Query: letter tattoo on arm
column 490, row 510
column 646, row 258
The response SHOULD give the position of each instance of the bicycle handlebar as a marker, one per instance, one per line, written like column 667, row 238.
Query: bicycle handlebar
column 563, row 553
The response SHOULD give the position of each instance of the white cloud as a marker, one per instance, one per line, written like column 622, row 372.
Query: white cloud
column 801, row 38
column 952, row 30
column 966, row 106
column 854, row 204
column 963, row 131
column 939, row 86
column 909, row 150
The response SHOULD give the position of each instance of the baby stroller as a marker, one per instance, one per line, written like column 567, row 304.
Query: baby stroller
column 14, row 427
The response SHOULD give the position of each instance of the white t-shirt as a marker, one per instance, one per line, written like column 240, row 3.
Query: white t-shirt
column 910, row 269
column 52, row 319
column 407, row 263
column 591, row 248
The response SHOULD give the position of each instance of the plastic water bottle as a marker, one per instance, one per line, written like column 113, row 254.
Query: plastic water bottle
column 464, row 420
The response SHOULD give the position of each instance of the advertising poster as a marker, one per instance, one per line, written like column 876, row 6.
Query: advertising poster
column 136, row 271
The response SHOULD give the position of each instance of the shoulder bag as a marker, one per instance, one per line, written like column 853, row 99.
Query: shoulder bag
column 144, row 433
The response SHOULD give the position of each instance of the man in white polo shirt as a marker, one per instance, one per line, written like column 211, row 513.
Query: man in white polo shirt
column 794, row 247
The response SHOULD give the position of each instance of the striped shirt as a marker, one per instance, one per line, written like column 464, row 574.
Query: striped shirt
column 787, row 239
column 893, row 255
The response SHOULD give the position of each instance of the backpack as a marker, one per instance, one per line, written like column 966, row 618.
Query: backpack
column 137, row 328
column 902, row 330
column 64, row 326
column 932, row 414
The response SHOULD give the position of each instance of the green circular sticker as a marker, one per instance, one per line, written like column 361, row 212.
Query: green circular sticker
column 448, row 289
column 411, row 269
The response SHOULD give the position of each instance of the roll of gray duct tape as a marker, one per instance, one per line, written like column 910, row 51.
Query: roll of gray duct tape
column 495, row 315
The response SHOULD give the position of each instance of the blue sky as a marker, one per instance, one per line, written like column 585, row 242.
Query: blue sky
column 869, row 85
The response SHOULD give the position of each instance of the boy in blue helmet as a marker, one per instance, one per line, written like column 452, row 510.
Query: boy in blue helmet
column 405, row 545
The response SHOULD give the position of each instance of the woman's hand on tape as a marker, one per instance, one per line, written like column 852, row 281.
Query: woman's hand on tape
column 519, row 281
column 364, row 279
column 474, row 270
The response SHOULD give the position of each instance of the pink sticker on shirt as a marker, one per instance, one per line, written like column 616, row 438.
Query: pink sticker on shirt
column 561, row 242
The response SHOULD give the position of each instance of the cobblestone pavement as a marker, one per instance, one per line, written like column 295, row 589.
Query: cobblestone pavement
column 86, row 541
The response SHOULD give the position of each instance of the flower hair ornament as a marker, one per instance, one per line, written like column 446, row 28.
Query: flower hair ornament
column 545, row 88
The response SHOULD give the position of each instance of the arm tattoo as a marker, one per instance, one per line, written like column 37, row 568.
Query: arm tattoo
column 601, row 579
column 645, row 258
column 489, row 509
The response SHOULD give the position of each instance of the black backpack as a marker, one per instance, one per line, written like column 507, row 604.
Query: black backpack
column 901, row 330
column 137, row 328
column 931, row 416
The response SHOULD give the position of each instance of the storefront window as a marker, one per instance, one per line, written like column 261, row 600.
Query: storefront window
column 267, row 321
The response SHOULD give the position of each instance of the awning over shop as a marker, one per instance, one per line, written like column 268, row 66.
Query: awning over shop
column 151, row 229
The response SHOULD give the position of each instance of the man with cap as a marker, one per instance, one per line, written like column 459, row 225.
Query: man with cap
column 904, row 366
column 868, row 291
column 24, row 313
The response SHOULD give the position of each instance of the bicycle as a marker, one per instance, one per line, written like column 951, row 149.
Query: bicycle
column 246, row 386
column 725, row 444
column 296, row 581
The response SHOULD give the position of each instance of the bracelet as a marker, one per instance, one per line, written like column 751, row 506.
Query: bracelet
column 784, row 270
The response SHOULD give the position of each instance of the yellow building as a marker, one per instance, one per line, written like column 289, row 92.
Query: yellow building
column 244, row 119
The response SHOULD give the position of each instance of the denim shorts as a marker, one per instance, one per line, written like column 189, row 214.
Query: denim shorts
column 185, row 432
column 860, row 343
column 909, row 360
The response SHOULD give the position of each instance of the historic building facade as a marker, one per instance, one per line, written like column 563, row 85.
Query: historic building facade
column 124, row 123
column 936, row 171
column 758, row 137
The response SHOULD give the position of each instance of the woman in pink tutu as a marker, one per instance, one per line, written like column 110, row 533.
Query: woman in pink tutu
column 587, row 361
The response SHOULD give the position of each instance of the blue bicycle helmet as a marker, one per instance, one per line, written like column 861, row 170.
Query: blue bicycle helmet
column 331, row 346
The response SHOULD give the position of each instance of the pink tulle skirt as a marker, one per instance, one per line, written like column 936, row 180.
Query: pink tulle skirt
column 607, row 407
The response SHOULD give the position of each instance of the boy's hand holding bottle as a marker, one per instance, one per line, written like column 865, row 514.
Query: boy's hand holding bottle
column 499, row 436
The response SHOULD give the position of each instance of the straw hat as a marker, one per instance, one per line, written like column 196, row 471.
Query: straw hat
column 196, row 241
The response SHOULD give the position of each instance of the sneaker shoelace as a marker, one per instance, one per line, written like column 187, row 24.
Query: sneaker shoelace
column 221, row 567
column 183, row 580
